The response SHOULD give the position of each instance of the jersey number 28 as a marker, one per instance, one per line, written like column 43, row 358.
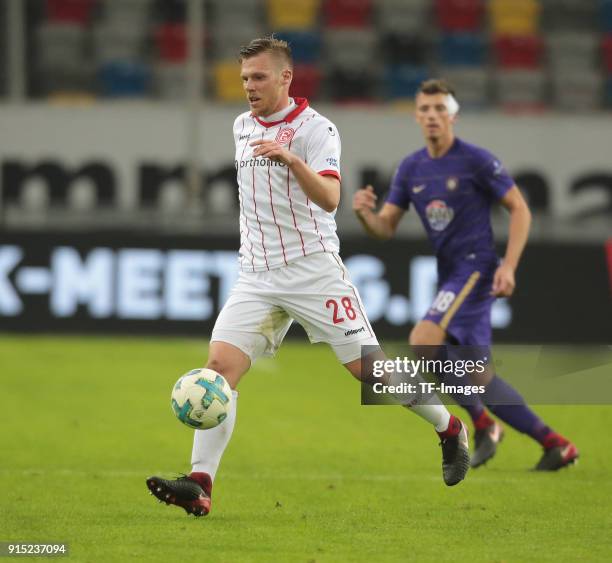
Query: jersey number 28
column 347, row 305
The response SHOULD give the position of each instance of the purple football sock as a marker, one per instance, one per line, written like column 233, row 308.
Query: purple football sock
column 506, row 402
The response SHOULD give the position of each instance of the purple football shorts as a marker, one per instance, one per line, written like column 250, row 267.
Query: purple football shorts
column 462, row 306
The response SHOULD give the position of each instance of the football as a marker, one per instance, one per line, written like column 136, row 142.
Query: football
column 201, row 398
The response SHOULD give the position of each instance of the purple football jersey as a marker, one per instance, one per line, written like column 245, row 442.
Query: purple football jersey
column 453, row 195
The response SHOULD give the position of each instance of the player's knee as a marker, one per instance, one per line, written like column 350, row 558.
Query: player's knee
column 217, row 365
column 426, row 333
column 425, row 339
column 228, row 369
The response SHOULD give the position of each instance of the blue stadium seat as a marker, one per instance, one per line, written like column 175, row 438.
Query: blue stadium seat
column 462, row 49
column 124, row 78
column 403, row 81
column 305, row 45
column 605, row 14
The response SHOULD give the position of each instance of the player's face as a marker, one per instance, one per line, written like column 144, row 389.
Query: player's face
column 265, row 80
column 433, row 117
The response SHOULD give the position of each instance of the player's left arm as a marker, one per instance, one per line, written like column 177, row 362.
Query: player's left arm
column 518, row 233
column 322, row 190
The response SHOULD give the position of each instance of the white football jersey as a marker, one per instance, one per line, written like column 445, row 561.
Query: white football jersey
column 278, row 223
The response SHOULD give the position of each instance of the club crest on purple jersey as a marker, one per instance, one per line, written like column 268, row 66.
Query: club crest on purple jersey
column 438, row 214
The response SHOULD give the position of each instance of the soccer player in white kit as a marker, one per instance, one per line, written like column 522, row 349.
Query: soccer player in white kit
column 288, row 170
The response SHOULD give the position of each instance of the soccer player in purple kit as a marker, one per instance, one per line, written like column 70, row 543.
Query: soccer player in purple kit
column 452, row 184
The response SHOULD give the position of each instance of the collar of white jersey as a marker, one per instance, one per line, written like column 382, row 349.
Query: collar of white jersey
column 301, row 105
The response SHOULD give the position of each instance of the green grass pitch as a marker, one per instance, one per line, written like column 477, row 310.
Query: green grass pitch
column 310, row 474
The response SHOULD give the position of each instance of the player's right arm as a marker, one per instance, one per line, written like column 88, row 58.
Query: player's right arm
column 380, row 225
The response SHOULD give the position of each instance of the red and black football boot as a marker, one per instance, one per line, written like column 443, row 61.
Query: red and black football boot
column 558, row 452
column 485, row 443
column 455, row 452
column 191, row 492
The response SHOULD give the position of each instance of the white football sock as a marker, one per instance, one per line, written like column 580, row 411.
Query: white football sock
column 209, row 445
column 437, row 415
column 428, row 405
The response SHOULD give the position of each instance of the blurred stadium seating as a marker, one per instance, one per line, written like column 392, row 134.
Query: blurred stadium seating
column 514, row 54
column 3, row 52
column 518, row 56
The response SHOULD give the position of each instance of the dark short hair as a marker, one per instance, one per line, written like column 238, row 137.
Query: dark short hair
column 435, row 86
column 268, row 44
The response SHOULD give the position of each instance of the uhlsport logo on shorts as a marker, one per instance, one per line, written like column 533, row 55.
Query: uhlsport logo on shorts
column 354, row 331
column 285, row 135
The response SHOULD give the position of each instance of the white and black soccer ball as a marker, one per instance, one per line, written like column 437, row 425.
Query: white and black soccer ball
column 201, row 398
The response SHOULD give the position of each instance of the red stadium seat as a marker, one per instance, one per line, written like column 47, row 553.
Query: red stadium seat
column 72, row 11
column 347, row 13
column 459, row 15
column 171, row 42
column 306, row 81
column 518, row 51
column 606, row 48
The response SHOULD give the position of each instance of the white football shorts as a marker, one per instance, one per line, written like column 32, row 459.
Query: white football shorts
column 315, row 290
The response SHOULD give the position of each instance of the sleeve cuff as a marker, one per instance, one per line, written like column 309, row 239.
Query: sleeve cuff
column 330, row 173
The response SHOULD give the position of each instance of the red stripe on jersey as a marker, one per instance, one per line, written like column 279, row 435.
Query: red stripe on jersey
column 359, row 304
column 302, row 104
column 280, row 234
column 246, row 221
column 263, row 244
column 308, row 201
column 238, row 174
column 315, row 225
column 330, row 173
column 290, row 199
